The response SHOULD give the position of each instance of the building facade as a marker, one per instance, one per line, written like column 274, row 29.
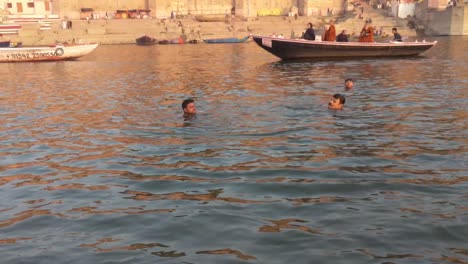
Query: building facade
column 27, row 7
column 163, row 8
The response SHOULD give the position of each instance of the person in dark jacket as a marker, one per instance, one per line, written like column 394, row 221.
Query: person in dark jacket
column 310, row 33
column 342, row 37
column 396, row 35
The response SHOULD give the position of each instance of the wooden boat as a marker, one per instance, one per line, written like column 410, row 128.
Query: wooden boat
column 8, row 43
column 146, row 40
column 4, row 44
column 227, row 40
column 290, row 49
column 55, row 53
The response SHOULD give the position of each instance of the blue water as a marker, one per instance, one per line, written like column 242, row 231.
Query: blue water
column 97, row 164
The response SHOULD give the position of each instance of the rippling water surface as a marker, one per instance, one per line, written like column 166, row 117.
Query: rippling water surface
column 97, row 164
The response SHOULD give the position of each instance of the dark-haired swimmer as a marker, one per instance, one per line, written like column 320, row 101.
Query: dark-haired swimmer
column 188, row 106
column 337, row 102
column 349, row 83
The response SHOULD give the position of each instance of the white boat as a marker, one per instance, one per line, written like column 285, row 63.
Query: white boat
column 55, row 53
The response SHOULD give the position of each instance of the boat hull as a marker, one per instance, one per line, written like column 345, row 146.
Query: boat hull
column 293, row 49
column 146, row 41
column 57, row 53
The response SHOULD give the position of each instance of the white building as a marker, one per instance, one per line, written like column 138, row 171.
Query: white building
column 27, row 8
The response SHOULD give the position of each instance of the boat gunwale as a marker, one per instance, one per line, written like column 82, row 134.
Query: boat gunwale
column 350, row 44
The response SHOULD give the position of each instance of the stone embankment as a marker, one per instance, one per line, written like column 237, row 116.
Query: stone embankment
column 125, row 31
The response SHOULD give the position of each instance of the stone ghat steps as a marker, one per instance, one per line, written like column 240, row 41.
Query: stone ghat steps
column 124, row 31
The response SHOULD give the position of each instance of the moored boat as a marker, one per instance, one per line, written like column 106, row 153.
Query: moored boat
column 4, row 44
column 290, row 49
column 146, row 40
column 55, row 53
column 227, row 40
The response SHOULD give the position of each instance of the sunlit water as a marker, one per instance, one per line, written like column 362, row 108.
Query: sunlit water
column 97, row 164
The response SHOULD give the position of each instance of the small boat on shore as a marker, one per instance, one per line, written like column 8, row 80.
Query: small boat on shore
column 293, row 49
column 4, row 44
column 8, row 43
column 146, row 41
column 227, row 40
column 54, row 53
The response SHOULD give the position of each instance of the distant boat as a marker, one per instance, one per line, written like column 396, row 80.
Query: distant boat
column 4, row 44
column 55, row 53
column 290, row 49
column 9, row 44
column 146, row 40
column 227, row 40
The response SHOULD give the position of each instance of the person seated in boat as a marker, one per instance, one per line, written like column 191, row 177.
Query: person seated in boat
column 337, row 102
column 367, row 33
column 349, row 84
column 188, row 106
column 343, row 36
column 310, row 33
column 330, row 33
column 396, row 35
column 280, row 36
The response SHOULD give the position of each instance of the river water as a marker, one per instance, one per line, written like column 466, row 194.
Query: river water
column 97, row 164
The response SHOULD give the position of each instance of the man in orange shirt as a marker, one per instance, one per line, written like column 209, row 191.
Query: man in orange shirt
column 330, row 33
column 367, row 33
